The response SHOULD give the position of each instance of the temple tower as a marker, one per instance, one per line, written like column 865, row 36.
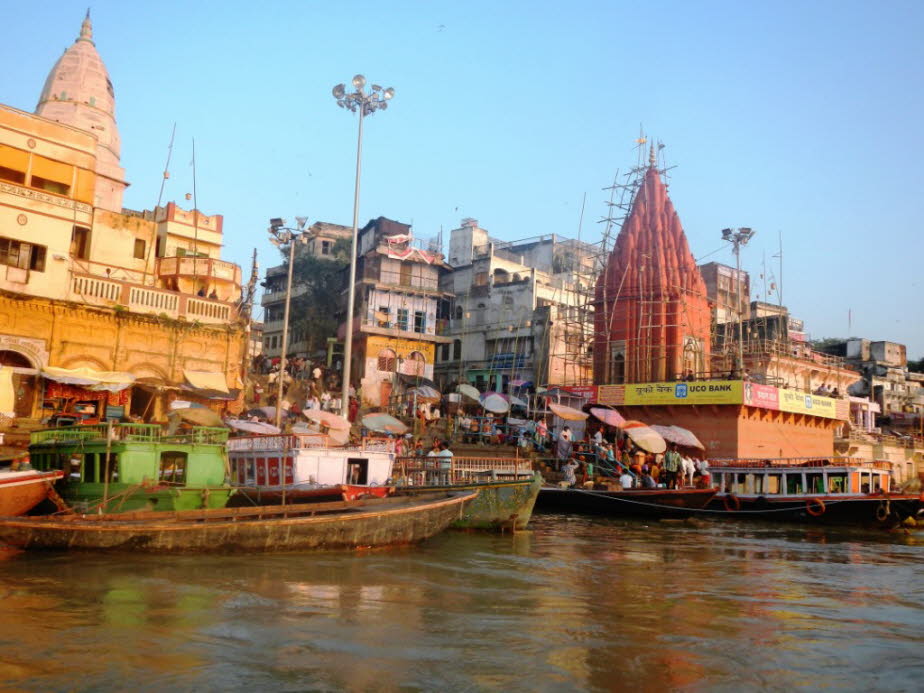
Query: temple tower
column 78, row 93
column 652, row 319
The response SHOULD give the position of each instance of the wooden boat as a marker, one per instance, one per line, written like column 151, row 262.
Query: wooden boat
column 303, row 468
column 338, row 525
column 660, row 502
column 22, row 490
column 837, row 491
column 125, row 467
column 507, row 487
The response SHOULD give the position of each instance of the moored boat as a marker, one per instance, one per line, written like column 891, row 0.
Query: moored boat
column 507, row 487
column 658, row 503
column 836, row 491
column 124, row 467
column 22, row 490
column 374, row 522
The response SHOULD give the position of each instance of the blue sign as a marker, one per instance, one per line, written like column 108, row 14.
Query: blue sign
column 680, row 390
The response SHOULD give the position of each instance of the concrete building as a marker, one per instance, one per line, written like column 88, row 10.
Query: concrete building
column 140, row 302
column 322, row 243
column 728, row 290
column 521, row 312
column 400, row 314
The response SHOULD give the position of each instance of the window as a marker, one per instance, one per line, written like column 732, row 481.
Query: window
column 22, row 255
column 13, row 164
column 402, row 319
column 172, row 468
column 12, row 175
column 386, row 360
column 445, row 355
column 458, row 312
column 381, row 316
column 80, row 243
column 420, row 322
column 140, row 247
column 325, row 247
column 457, row 349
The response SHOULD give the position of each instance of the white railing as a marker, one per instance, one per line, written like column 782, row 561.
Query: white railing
column 211, row 310
column 91, row 287
column 148, row 299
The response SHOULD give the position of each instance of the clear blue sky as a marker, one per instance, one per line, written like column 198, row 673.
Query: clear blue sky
column 795, row 117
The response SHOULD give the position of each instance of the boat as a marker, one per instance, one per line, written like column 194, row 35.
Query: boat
column 661, row 503
column 23, row 489
column 123, row 467
column 837, row 491
column 304, row 467
column 507, row 487
column 376, row 522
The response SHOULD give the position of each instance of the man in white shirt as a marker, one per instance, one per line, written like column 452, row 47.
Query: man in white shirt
column 626, row 480
column 445, row 455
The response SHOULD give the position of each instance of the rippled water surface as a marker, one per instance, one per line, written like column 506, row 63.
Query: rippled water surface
column 574, row 604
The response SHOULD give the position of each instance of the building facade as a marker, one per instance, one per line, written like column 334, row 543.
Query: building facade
column 520, row 316
column 140, row 303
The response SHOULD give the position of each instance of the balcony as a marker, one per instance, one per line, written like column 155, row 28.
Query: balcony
column 400, row 280
column 392, row 329
column 112, row 293
column 205, row 267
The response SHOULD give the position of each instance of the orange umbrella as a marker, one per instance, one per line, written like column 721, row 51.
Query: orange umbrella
column 610, row 417
column 326, row 418
column 644, row 436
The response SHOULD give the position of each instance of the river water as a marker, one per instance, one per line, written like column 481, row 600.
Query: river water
column 573, row 604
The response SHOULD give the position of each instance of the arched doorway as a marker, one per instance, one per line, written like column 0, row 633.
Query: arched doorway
column 23, row 381
column 415, row 364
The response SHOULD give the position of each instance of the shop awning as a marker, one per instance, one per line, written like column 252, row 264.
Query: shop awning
column 206, row 380
column 112, row 381
column 415, row 380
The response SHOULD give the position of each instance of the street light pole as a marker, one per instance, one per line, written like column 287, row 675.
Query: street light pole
column 737, row 239
column 283, row 235
column 366, row 103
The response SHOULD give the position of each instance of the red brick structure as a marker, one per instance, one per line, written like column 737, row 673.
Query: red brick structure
column 652, row 317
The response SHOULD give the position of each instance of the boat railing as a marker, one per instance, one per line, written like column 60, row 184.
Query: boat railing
column 301, row 441
column 431, row 470
column 129, row 432
column 762, row 463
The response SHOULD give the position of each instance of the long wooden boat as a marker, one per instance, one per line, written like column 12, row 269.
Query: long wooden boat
column 22, row 490
column 125, row 467
column 660, row 503
column 507, row 487
column 338, row 525
column 837, row 491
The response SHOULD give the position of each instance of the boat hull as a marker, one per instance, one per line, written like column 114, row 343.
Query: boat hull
column 375, row 523
column 22, row 491
column 875, row 510
column 500, row 505
column 248, row 496
column 659, row 503
column 87, row 497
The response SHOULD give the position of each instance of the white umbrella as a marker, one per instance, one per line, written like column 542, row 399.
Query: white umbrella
column 468, row 391
column 495, row 403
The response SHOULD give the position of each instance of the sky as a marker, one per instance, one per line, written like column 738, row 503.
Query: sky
column 801, row 120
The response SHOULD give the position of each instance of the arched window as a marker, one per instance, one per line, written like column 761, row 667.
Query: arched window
column 457, row 349
column 387, row 360
column 458, row 312
column 13, row 359
column 415, row 363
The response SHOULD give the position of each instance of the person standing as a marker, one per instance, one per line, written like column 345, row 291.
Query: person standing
column 671, row 466
column 445, row 455
column 542, row 434
column 567, row 471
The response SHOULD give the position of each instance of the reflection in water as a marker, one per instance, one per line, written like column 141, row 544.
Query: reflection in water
column 574, row 604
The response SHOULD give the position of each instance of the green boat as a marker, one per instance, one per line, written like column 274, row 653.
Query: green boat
column 128, row 467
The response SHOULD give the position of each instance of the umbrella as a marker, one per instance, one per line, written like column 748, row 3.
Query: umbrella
column 567, row 413
column 644, row 436
column 426, row 393
column 327, row 418
column 678, row 435
column 200, row 416
column 495, row 403
column 253, row 427
column 469, row 391
column 383, row 423
column 265, row 412
column 610, row 417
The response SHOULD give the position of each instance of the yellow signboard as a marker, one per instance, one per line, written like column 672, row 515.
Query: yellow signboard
column 695, row 392
column 802, row 403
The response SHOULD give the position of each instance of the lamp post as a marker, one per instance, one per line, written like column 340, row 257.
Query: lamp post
column 281, row 236
column 738, row 238
column 366, row 103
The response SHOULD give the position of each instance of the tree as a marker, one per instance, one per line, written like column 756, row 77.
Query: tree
column 916, row 366
column 316, row 287
column 831, row 345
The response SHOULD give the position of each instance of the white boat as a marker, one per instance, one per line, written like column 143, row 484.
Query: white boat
column 302, row 466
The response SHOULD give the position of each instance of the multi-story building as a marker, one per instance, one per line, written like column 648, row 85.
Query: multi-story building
column 521, row 315
column 99, row 304
column 729, row 291
column 322, row 243
column 400, row 312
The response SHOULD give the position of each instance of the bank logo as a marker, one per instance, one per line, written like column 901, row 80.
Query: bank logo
column 680, row 390
column 808, row 401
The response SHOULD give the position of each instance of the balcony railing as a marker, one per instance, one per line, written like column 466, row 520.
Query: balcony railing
column 401, row 280
column 109, row 293
column 198, row 267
